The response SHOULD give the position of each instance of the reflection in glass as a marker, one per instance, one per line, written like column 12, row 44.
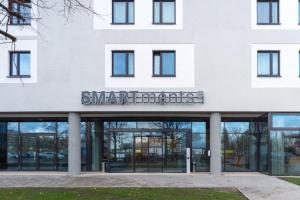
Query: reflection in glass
column 285, row 121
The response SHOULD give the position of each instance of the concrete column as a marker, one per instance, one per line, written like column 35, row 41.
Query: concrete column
column 74, row 145
column 215, row 143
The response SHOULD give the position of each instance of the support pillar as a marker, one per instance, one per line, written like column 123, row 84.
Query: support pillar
column 215, row 144
column 74, row 146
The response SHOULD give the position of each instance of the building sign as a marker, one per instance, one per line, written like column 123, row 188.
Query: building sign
column 136, row 97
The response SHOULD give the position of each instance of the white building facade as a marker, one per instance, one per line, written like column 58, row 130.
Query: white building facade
column 154, row 86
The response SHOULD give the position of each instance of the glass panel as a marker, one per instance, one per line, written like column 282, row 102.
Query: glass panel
column 121, row 152
column 130, row 12
column 29, row 153
column 47, row 154
column 168, row 12
column 168, row 63
column 263, row 12
column 263, row 61
column 3, row 145
column 62, row 139
column 151, row 124
column 285, row 153
column 14, row 20
column 199, row 127
column 130, row 63
column 26, row 13
column 119, row 63
column 119, row 12
column 200, row 147
column 175, row 153
column 141, row 154
column 274, row 12
column 14, row 64
column 240, row 147
column 155, row 149
column 275, row 62
column 37, row 127
column 156, row 12
column 299, row 12
column 286, row 121
column 83, row 129
column 12, row 151
column 24, row 63
column 156, row 64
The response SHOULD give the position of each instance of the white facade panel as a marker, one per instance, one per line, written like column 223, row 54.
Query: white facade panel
column 20, row 45
column 289, row 66
column 143, row 16
column 143, row 55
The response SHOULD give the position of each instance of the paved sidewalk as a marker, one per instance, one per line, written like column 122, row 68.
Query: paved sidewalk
column 253, row 185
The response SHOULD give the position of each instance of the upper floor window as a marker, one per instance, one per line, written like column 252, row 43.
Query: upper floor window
column 164, row 12
column 164, row 63
column 19, row 64
column 268, row 63
column 23, row 9
column 267, row 11
column 123, row 63
column 123, row 11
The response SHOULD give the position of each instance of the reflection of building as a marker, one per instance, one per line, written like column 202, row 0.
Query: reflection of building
column 140, row 89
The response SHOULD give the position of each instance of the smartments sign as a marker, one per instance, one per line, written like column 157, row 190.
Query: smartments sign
column 136, row 97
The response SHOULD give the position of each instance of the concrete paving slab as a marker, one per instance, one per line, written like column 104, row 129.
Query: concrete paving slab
column 255, row 186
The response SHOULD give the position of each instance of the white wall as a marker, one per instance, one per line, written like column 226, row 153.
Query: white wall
column 20, row 45
column 185, row 67
column 143, row 16
column 288, row 15
column 289, row 67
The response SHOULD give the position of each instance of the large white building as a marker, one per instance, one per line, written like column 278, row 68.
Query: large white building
column 154, row 86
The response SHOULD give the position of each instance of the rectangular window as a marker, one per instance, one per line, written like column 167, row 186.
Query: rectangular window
column 164, row 63
column 267, row 12
column 164, row 12
column 123, row 63
column 19, row 64
column 23, row 9
column 123, row 11
column 268, row 63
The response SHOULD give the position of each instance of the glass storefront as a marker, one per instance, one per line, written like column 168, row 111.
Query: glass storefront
column 31, row 146
column 244, row 146
column 155, row 146
column 285, row 144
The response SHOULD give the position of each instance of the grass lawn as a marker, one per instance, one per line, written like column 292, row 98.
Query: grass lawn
column 291, row 180
column 119, row 194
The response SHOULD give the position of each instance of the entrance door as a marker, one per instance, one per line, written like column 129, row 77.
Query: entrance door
column 148, row 154
column 46, row 153
column 37, row 152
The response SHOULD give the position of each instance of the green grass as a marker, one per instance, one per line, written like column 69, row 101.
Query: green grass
column 291, row 180
column 119, row 194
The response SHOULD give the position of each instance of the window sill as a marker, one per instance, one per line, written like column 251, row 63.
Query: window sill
column 268, row 76
column 164, row 76
column 22, row 76
column 122, row 76
column 268, row 24
column 163, row 23
column 122, row 24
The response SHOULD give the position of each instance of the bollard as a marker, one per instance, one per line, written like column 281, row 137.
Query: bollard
column 103, row 167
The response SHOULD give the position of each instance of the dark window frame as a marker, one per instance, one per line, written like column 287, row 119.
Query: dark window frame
column 156, row 52
column 161, row 13
column 271, row 74
column 127, row 52
column 19, row 22
column 270, row 12
column 127, row 13
column 18, row 75
column 298, row 12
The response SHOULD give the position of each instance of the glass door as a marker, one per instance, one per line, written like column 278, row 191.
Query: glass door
column 141, row 154
column 28, row 153
column 46, row 154
column 155, row 151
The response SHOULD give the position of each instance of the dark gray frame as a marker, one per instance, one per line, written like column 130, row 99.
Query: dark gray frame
column 11, row 75
column 271, row 63
column 156, row 52
column 127, row 61
column 127, row 13
column 270, row 12
column 161, row 12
